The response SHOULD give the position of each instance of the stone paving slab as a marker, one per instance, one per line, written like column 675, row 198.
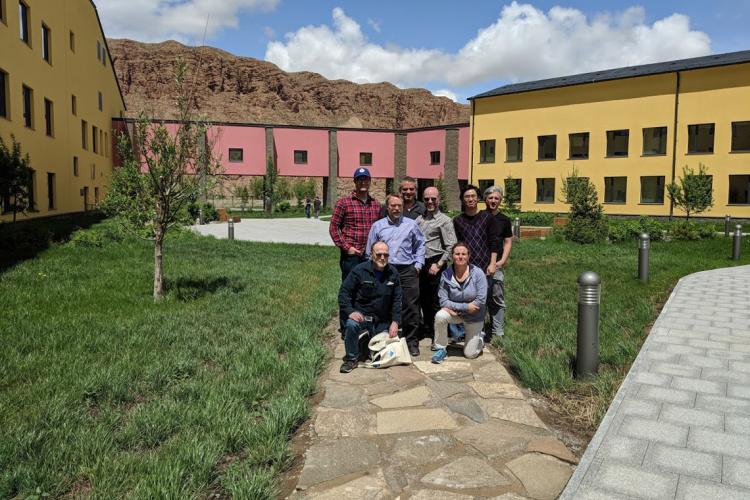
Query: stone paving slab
column 679, row 426
column 447, row 431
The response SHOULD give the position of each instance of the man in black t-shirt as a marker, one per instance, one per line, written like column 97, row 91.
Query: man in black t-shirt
column 493, row 196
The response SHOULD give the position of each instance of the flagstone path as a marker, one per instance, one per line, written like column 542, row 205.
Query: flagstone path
column 459, row 430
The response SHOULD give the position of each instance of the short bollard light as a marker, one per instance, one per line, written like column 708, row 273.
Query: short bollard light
column 197, row 221
column 727, row 225
column 200, row 215
column 737, row 242
column 516, row 229
column 589, row 296
column 231, row 229
column 644, row 243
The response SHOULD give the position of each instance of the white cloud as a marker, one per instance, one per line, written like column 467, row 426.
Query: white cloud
column 446, row 93
column 183, row 20
column 524, row 43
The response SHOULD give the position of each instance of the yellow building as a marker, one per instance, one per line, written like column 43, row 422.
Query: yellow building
column 58, row 95
column 616, row 127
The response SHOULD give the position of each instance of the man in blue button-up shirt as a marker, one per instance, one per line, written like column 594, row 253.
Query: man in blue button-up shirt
column 406, row 244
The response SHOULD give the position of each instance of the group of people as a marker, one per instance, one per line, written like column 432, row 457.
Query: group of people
column 410, row 270
column 312, row 204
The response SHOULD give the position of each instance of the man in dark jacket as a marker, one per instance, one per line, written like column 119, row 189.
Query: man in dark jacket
column 370, row 299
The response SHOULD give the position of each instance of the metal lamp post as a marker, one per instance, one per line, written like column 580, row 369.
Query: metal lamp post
column 589, row 297
column 644, row 243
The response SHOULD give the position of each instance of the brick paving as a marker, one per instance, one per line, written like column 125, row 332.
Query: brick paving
column 679, row 426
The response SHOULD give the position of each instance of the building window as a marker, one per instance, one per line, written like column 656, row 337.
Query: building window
column 547, row 147
column 545, row 190
column 739, row 189
column 484, row 184
column 101, row 101
column 617, row 143
column 96, row 195
column 94, row 139
column 46, row 44
column 365, row 159
column 28, row 107
column 48, row 118
column 32, row 191
column 236, row 155
column 615, row 189
column 579, row 145
column 652, row 189
column 3, row 94
column 487, row 151
column 74, row 105
column 740, row 137
column 514, row 149
column 93, row 171
column 23, row 22
column 511, row 184
column 654, row 141
column 300, row 157
column 434, row 157
column 84, row 134
column 2, row 11
column 701, row 138
column 50, row 191
column 72, row 41
column 98, row 50
column 75, row 166
column 105, row 145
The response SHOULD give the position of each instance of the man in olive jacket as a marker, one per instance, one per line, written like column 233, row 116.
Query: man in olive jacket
column 370, row 299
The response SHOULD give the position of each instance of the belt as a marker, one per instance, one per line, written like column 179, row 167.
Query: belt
column 403, row 266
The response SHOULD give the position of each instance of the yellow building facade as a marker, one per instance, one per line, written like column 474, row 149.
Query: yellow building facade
column 617, row 128
column 59, row 93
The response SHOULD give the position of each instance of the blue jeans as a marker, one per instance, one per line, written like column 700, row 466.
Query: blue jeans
column 352, row 332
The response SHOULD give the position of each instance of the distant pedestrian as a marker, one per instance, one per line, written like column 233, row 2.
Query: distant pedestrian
column 308, row 206
column 316, row 205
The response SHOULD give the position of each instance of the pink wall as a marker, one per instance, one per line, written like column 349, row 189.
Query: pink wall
column 315, row 142
column 381, row 144
column 252, row 140
column 463, row 153
column 418, row 148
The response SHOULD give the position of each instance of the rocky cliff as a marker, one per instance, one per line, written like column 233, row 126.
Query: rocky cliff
column 242, row 89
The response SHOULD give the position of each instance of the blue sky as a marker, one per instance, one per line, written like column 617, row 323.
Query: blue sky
column 455, row 49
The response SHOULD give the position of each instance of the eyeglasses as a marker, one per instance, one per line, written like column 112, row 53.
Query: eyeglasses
column 381, row 255
column 430, row 199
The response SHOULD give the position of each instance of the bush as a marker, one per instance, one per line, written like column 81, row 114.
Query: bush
column 684, row 230
column 99, row 235
column 536, row 219
column 284, row 206
column 586, row 222
column 629, row 229
column 209, row 212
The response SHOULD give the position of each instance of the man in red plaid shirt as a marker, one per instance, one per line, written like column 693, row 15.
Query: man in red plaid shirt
column 350, row 224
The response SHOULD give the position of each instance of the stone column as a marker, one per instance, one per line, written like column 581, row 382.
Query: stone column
column 269, row 154
column 333, row 168
column 400, row 158
column 450, row 174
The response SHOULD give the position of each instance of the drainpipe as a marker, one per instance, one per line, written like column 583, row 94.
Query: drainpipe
column 471, row 156
column 674, row 136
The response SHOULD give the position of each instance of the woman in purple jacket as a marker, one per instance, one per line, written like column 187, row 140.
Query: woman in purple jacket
column 463, row 294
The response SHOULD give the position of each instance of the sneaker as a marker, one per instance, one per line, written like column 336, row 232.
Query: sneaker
column 348, row 365
column 474, row 347
column 433, row 347
column 440, row 355
column 414, row 350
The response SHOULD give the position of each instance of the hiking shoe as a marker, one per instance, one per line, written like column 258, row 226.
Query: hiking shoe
column 433, row 347
column 440, row 355
column 348, row 365
column 474, row 347
column 414, row 350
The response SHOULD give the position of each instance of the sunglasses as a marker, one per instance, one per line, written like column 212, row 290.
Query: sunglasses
column 381, row 255
column 430, row 199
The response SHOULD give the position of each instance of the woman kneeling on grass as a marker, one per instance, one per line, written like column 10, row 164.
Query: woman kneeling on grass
column 462, row 293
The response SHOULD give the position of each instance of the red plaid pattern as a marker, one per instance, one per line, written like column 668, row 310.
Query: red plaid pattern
column 351, row 221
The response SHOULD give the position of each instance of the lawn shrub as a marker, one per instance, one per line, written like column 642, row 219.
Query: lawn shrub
column 210, row 213
column 284, row 206
column 688, row 230
column 630, row 229
column 586, row 223
column 534, row 218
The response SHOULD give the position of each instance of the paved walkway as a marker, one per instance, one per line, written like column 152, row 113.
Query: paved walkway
column 679, row 427
column 459, row 430
column 300, row 231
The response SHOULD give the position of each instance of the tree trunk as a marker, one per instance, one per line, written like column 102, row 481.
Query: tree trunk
column 158, row 268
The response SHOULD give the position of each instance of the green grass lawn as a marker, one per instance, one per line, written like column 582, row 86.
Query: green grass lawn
column 541, row 289
column 104, row 393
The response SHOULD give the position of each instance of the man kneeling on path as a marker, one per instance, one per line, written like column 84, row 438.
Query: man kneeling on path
column 370, row 299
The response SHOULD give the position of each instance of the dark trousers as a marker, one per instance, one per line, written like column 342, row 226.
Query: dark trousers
column 428, row 297
column 409, row 303
column 354, row 340
column 347, row 263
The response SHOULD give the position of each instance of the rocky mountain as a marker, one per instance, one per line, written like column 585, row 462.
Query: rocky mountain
column 242, row 89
